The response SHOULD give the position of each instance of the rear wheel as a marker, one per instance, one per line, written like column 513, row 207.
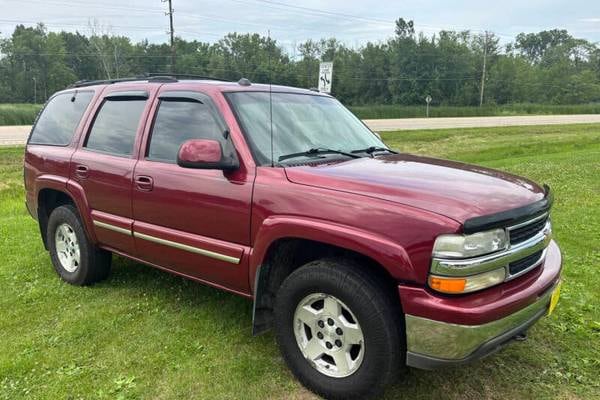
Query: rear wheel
column 339, row 329
column 76, row 260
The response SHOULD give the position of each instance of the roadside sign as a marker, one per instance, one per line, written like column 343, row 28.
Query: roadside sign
column 325, row 77
column 428, row 100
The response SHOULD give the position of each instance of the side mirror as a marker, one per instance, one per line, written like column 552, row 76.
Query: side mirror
column 205, row 154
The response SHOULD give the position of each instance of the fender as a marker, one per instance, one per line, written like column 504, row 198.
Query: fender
column 73, row 190
column 77, row 193
column 48, row 181
column 389, row 254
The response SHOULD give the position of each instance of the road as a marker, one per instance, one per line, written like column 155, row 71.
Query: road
column 381, row 125
column 12, row 135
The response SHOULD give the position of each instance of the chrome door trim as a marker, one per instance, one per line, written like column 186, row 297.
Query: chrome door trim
column 191, row 249
column 112, row 227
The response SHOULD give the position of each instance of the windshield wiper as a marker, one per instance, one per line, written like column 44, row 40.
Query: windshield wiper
column 373, row 149
column 316, row 151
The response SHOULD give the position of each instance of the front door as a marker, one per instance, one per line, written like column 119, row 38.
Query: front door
column 191, row 221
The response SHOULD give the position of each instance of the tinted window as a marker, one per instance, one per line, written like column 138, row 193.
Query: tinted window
column 57, row 123
column 115, row 126
column 178, row 121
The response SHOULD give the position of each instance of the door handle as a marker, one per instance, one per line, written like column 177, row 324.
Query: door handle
column 144, row 183
column 81, row 171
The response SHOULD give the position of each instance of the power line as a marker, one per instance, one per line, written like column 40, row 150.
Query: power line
column 326, row 13
column 265, row 3
column 316, row 11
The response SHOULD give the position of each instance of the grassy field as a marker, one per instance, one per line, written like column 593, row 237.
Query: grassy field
column 24, row 114
column 146, row 334
column 18, row 114
column 392, row 111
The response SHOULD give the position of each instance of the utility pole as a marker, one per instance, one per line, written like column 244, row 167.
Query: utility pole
column 485, row 46
column 34, row 90
column 172, row 34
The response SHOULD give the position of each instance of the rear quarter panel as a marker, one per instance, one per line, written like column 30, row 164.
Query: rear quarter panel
column 45, row 167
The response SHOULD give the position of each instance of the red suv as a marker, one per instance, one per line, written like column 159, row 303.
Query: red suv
column 362, row 259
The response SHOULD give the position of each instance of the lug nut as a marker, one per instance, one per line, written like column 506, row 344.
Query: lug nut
column 329, row 321
column 319, row 335
column 329, row 345
column 338, row 343
column 321, row 324
column 339, row 331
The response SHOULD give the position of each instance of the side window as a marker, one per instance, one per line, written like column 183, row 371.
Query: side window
column 115, row 126
column 60, row 118
column 177, row 121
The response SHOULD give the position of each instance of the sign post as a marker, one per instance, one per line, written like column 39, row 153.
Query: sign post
column 325, row 77
column 428, row 100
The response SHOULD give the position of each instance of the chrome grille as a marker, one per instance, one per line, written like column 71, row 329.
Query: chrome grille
column 527, row 230
column 524, row 264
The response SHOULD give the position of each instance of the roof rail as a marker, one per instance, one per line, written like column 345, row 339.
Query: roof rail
column 84, row 83
column 150, row 77
column 186, row 76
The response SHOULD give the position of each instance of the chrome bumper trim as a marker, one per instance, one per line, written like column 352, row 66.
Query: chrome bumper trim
column 191, row 249
column 439, row 340
column 112, row 227
column 472, row 266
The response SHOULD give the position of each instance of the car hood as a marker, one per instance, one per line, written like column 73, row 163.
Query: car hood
column 456, row 190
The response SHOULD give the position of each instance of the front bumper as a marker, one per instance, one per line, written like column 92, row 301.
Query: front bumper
column 433, row 342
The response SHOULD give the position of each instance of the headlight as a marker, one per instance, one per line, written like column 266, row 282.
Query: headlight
column 465, row 246
column 457, row 285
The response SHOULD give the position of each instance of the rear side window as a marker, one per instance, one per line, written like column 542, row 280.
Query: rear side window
column 115, row 126
column 60, row 118
column 177, row 121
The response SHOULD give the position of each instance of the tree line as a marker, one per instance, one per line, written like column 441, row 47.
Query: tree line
column 550, row 67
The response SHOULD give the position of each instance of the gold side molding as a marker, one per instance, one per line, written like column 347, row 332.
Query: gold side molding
column 113, row 228
column 191, row 249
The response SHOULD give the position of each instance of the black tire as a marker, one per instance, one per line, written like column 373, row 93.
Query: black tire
column 94, row 263
column 378, row 314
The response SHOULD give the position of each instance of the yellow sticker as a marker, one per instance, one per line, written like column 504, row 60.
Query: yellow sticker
column 554, row 298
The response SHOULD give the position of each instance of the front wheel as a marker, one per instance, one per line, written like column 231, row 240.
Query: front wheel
column 339, row 329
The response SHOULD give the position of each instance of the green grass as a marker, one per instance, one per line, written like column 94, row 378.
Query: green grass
column 18, row 114
column 398, row 111
column 146, row 334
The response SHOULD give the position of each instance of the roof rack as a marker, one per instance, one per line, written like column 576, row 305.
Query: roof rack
column 186, row 76
column 150, row 77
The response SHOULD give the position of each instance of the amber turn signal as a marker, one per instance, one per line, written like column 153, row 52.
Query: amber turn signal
column 447, row 285
column 467, row 284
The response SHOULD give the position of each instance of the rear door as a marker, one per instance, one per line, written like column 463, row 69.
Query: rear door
column 103, row 164
column 192, row 221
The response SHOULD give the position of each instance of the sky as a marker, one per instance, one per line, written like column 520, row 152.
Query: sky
column 291, row 22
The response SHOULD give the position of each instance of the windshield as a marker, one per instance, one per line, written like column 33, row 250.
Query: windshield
column 300, row 122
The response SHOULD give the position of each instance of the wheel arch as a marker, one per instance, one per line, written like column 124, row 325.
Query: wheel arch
column 52, row 194
column 285, row 243
column 48, row 199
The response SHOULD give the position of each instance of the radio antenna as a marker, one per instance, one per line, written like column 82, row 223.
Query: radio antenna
column 270, row 96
